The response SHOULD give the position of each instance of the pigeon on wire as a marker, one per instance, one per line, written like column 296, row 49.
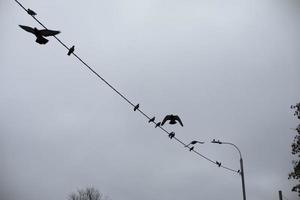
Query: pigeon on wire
column 173, row 119
column 31, row 12
column 71, row 50
column 171, row 135
column 158, row 124
column 151, row 120
column 193, row 143
column 136, row 107
column 40, row 34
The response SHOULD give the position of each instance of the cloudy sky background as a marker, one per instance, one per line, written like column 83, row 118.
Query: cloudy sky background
column 229, row 69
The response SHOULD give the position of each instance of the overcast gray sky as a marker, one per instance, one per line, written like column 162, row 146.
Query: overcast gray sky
column 229, row 69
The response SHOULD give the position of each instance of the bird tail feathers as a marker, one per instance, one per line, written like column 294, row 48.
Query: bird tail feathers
column 41, row 40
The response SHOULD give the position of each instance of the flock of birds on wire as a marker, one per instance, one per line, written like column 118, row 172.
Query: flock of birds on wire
column 40, row 35
column 40, row 38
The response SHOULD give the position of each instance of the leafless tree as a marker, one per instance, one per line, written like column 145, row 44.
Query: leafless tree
column 295, row 174
column 88, row 193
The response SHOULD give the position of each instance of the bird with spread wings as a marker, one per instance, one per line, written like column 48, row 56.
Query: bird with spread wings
column 40, row 34
column 173, row 119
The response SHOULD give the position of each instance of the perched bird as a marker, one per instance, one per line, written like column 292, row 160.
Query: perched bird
column 171, row 135
column 158, row 124
column 40, row 34
column 71, row 50
column 152, row 119
column 136, row 107
column 193, row 143
column 192, row 148
column 31, row 12
column 216, row 141
column 173, row 120
column 218, row 163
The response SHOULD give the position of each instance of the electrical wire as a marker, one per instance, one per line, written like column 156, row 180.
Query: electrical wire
column 122, row 96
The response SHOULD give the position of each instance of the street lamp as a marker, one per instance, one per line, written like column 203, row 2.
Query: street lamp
column 241, row 164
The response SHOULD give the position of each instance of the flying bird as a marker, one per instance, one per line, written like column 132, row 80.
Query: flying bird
column 71, row 50
column 136, row 107
column 173, row 120
column 31, row 12
column 40, row 34
column 192, row 148
column 218, row 163
column 171, row 135
column 158, row 124
column 151, row 120
column 193, row 143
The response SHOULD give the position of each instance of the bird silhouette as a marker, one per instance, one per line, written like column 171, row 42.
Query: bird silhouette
column 216, row 141
column 152, row 119
column 71, row 50
column 193, row 143
column 158, row 124
column 31, row 12
column 192, row 148
column 218, row 163
column 171, row 135
column 136, row 107
column 40, row 34
column 173, row 119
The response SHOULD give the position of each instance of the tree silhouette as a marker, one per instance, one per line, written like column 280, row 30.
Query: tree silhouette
column 295, row 174
column 88, row 193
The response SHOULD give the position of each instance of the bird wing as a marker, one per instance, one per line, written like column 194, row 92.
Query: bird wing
column 27, row 28
column 47, row 32
column 165, row 119
column 178, row 119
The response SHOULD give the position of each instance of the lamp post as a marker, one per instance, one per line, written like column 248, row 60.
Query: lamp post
column 241, row 164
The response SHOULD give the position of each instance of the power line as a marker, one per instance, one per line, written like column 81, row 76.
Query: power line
column 122, row 96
